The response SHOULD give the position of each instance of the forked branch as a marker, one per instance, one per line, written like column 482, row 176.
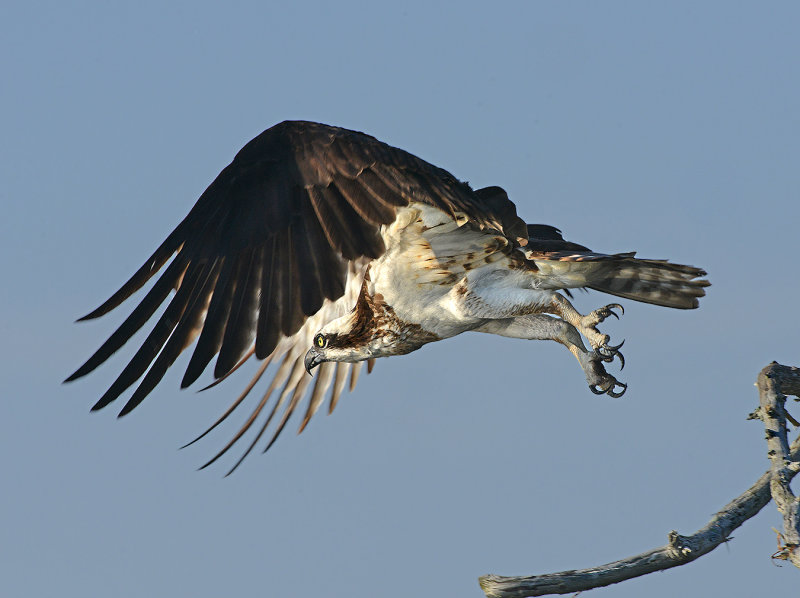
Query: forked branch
column 774, row 383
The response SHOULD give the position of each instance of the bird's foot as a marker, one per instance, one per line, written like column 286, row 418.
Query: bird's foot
column 598, row 340
column 600, row 381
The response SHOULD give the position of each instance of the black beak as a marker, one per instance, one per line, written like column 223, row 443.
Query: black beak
column 312, row 360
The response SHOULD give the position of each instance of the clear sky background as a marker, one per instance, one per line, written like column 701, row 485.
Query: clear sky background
column 671, row 128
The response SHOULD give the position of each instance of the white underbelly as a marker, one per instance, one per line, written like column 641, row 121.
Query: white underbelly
column 433, row 265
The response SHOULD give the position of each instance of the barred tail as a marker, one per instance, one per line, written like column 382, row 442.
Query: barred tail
column 650, row 281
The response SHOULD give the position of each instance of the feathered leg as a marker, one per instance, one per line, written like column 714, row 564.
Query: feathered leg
column 541, row 327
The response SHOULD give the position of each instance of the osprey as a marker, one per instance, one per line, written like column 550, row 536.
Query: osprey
column 321, row 247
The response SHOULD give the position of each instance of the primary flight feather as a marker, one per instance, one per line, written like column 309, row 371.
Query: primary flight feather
column 321, row 247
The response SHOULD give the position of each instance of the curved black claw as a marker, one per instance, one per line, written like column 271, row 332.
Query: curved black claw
column 607, row 353
column 608, row 310
column 607, row 358
column 609, row 387
column 612, row 393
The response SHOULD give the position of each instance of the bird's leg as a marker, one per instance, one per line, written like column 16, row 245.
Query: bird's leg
column 541, row 327
column 587, row 325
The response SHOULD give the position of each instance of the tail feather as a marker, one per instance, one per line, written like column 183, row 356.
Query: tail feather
column 652, row 281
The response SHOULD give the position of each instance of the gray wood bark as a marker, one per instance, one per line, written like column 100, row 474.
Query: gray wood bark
column 774, row 382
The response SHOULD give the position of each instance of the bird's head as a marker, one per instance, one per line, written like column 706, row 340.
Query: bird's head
column 344, row 339
column 370, row 330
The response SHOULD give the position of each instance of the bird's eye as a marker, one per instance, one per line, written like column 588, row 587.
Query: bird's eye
column 320, row 341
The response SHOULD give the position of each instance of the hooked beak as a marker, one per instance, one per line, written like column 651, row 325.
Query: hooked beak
column 312, row 360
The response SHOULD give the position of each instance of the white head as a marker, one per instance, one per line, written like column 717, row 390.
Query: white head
column 350, row 338
column 371, row 330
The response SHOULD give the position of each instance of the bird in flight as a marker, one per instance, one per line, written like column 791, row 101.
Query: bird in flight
column 320, row 248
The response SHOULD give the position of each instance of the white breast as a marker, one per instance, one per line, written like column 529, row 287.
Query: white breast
column 430, row 261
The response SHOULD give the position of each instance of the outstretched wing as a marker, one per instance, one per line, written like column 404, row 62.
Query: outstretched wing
column 275, row 248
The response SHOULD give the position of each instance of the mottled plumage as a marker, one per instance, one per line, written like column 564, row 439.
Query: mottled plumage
column 320, row 246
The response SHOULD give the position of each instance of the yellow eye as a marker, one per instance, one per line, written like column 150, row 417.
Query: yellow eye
column 319, row 340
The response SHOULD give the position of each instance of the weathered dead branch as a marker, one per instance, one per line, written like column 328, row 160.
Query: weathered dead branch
column 774, row 382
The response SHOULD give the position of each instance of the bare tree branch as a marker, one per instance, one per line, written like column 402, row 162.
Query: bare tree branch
column 680, row 550
column 773, row 381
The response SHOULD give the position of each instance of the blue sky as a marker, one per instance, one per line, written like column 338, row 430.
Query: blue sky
column 671, row 129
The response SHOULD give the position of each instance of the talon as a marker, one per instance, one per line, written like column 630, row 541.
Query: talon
column 606, row 353
column 605, row 357
column 612, row 393
column 609, row 358
column 608, row 310
column 596, row 389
